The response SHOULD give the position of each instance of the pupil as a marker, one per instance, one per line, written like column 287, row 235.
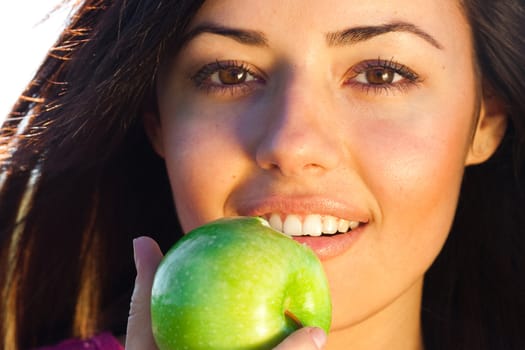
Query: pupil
column 380, row 76
column 232, row 76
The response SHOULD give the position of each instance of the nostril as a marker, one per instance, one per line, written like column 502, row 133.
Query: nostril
column 313, row 167
column 292, row 170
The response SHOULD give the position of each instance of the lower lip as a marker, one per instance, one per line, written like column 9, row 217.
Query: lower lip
column 327, row 247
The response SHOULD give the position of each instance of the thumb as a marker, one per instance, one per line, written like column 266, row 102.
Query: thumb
column 307, row 338
column 147, row 256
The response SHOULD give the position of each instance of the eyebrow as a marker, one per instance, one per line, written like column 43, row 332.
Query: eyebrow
column 357, row 34
column 244, row 36
column 344, row 37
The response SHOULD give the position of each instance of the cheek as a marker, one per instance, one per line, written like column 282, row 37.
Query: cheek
column 416, row 180
column 416, row 170
column 412, row 166
column 201, row 168
column 417, row 155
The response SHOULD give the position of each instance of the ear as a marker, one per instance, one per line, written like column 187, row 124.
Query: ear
column 491, row 126
column 152, row 127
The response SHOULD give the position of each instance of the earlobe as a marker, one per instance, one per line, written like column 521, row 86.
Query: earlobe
column 491, row 126
column 152, row 127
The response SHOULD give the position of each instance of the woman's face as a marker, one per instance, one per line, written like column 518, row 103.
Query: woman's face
column 352, row 112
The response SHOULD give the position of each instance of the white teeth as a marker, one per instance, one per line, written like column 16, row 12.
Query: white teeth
column 353, row 224
column 292, row 225
column 275, row 222
column 330, row 224
column 343, row 225
column 310, row 225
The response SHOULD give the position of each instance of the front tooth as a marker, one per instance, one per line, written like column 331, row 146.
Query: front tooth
column 329, row 224
column 292, row 225
column 343, row 225
column 275, row 222
column 312, row 225
column 353, row 224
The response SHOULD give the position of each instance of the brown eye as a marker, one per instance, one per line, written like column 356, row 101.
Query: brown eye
column 380, row 76
column 232, row 75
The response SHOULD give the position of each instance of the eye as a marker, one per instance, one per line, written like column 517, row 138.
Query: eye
column 233, row 77
column 230, row 76
column 382, row 75
column 379, row 76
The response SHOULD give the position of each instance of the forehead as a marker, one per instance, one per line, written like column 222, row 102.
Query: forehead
column 444, row 18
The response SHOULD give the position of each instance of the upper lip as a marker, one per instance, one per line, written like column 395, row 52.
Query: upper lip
column 303, row 205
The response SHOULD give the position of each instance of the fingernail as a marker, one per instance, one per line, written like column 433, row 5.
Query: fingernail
column 318, row 336
column 135, row 257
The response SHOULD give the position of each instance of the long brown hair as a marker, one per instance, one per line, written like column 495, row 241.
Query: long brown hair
column 79, row 180
column 474, row 294
column 66, row 244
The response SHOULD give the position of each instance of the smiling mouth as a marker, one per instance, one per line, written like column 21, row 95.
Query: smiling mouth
column 310, row 225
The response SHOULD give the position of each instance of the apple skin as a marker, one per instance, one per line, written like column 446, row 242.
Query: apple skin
column 227, row 285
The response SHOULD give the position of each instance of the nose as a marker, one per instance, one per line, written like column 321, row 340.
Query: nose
column 301, row 136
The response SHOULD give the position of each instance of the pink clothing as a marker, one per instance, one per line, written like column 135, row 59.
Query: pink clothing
column 103, row 341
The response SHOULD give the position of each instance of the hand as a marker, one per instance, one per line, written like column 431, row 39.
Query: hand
column 139, row 335
column 308, row 338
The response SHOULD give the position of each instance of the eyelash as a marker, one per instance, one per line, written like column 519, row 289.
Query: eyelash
column 409, row 77
column 203, row 78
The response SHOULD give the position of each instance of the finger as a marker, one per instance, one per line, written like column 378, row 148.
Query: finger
column 308, row 338
column 147, row 258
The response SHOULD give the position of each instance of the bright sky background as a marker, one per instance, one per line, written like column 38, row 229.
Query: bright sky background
column 28, row 28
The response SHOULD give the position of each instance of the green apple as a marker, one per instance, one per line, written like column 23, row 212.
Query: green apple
column 235, row 284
